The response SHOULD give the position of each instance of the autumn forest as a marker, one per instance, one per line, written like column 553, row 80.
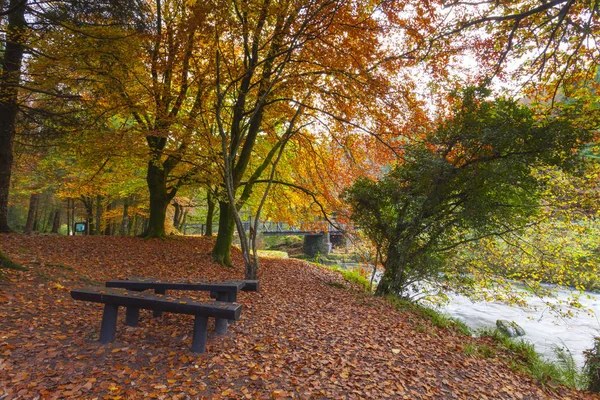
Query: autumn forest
column 447, row 148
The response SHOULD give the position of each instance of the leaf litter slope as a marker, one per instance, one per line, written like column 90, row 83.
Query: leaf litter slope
column 299, row 337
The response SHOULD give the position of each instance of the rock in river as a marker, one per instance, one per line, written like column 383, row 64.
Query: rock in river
column 510, row 328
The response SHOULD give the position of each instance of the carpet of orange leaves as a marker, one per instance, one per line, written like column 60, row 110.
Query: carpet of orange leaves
column 299, row 337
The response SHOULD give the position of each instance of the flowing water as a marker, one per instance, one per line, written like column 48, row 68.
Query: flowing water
column 542, row 326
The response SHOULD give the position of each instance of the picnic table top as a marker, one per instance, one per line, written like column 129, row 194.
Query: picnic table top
column 232, row 285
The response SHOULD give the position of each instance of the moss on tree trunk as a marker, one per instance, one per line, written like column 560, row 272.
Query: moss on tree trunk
column 222, row 249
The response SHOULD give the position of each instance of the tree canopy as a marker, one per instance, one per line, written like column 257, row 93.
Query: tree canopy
column 469, row 179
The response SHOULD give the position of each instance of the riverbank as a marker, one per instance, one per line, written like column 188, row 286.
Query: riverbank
column 306, row 334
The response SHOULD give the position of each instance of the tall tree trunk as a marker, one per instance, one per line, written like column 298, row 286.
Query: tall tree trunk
column 36, row 217
column 48, row 213
column 33, row 204
column 108, row 227
column 177, row 215
column 135, row 224
column 88, row 204
column 69, row 221
column 125, row 221
column 209, row 214
column 72, row 216
column 10, row 76
column 98, row 227
column 183, row 220
column 159, row 201
column 221, row 252
column 392, row 281
column 56, row 221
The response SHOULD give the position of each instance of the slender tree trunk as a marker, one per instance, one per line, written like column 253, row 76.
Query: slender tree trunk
column 72, row 216
column 69, row 221
column 56, row 221
column 10, row 76
column 36, row 217
column 183, row 220
column 108, row 227
column 48, row 214
column 33, row 204
column 125, row 220
column 374, row 270
column 209, row 214
column 159, row 201
column 221, row 252
column 135, row 224
column 88, row 204
column 98, row 227
column 177, row 215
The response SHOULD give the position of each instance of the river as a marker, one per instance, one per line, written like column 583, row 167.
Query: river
column 542, row 326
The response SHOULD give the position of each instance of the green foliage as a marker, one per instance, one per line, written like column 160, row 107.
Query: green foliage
column 470, row 179
column 352, row 277
column 561, row 247
column 591, row 370
column 572, row 375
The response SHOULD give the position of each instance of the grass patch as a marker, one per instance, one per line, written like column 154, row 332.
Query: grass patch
column 7, row 263
column 479, row 350
column 563, row 371
column 438, row 319
column 337, row 285
column 46, row 276
column 61, row 266
column 272, row 253
column 353, row 277
column 90, row 282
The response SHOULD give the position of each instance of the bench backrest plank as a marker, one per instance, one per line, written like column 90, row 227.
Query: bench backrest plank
column 181, row 305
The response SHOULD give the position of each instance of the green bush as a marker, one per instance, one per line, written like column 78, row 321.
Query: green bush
column 591, row 371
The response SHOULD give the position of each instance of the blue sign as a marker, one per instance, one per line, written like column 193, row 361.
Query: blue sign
column 80, row 227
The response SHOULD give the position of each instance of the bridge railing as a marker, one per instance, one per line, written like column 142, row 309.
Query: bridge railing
column 267, row 227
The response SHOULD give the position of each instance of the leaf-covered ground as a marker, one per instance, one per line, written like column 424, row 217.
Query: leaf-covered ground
column 299, row 337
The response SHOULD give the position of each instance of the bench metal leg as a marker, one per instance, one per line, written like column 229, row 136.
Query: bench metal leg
column 199, row 335
column 220, row 323
column 109, row 323
column 157, row 313
column 132, row 315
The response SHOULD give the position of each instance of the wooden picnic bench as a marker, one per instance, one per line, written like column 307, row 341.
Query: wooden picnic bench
column 221, row 290
column 115, row 297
